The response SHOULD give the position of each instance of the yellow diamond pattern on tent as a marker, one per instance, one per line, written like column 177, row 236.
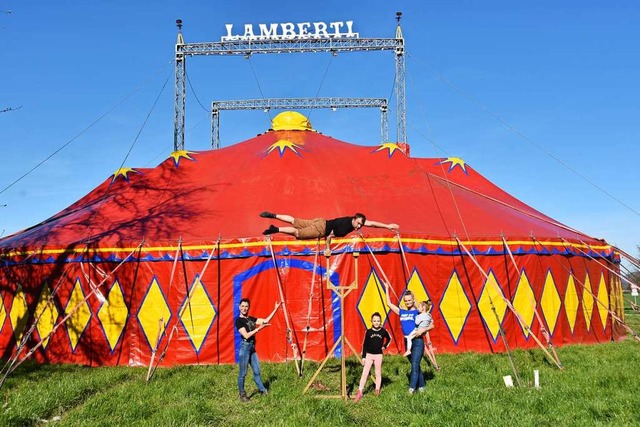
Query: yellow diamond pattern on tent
column 78, row 321
column 571, row 302
column 603, row 301
column 455, row 306
column 417, row 287
column 198, row 314
column 587, row 302
column 492, row 293
column 3, row 311
column 372, row 300
column 550, row 302
column 47, row 314
column 524, row 302
column 113, row 315
column 154, row 314
column 19, row 314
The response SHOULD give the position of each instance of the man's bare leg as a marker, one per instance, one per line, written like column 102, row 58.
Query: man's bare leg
column 285, row 218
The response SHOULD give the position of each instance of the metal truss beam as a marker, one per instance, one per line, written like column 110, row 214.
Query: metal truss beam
column 245, row 47
column 297, row 103
column 298, row 45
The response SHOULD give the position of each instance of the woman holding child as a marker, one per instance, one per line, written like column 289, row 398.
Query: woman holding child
column 414, row 337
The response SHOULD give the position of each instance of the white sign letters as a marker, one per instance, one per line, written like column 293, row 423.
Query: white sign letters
column 291, row 31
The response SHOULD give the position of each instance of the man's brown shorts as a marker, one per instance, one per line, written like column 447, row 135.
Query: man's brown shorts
column 310, row 228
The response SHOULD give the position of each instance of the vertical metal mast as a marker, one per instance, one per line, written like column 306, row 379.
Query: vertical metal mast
column 401, row 108
column 179, row 107
column 279, row 44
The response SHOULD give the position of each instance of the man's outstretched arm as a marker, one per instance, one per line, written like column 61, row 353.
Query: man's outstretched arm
column 377, row 224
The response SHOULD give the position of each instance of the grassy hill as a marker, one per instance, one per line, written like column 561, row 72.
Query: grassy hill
column 599, row 385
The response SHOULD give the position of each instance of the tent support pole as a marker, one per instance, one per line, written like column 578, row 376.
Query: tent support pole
column 614, row 316
column 493, row 308
column 308, row 325
column 152, row 367
column 290, row 332
column 64, row 319
column 543, row 328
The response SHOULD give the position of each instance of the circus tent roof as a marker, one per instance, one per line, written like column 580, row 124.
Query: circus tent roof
column 209, row 195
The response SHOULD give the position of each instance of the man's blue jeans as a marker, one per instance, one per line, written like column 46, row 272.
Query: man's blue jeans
column 416, row 380
column 248, row 356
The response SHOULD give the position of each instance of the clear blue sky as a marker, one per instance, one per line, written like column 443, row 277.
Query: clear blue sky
column 565, row 75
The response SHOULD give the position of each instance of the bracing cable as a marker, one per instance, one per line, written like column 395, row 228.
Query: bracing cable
column 83, row 131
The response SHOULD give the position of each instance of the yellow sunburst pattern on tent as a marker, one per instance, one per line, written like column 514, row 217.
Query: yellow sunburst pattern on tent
column 391, row 146
column 550, row 302
column 283, row 145
column 454, row 162
column 113, row 315
column 123, row 173
column 603, row 301
column 154, row 314
column 47, row 314
column 587, row 302
column 179, row 155
column 490, row 298
column 372, row 300
column 455, row 307
column 19, row 314
column 197, row 315
column 78, row 321
column 524, row 302
column 571, row 302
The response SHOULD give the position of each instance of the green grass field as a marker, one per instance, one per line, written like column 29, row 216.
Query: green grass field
column 599, row 385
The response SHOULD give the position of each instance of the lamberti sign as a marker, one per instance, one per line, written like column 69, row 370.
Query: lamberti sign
column 292, row 31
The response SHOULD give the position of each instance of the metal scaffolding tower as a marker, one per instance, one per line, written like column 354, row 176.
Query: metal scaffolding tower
column 301, row 103
column 250, row 47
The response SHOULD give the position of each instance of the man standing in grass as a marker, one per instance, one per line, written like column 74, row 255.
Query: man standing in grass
column 248, row 326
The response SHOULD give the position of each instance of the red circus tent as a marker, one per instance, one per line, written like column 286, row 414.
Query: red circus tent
column 106, row 281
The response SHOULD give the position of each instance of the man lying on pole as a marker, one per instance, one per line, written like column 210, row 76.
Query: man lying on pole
column 322, row 228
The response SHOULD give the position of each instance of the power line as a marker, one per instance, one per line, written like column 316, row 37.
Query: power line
column 523, row 136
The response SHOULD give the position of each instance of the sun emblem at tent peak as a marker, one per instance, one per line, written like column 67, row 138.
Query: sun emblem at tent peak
column 391, row 146
column 123, row 173
column 283, row 145
column 454, row 162
column 181, row 154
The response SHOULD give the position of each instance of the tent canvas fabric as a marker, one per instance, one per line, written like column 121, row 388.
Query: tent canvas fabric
column 160, row 226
